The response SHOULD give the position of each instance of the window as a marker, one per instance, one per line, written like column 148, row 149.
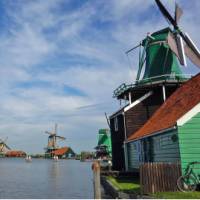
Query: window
column 116, row 123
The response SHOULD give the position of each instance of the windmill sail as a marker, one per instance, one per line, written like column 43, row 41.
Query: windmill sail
column 191, row 44
column 172, row 44
column 178, row 13
column 192, row 56
column 181, row 50
column 175, row 40
column 60, row 137
column 165, row 13
column 176, row 45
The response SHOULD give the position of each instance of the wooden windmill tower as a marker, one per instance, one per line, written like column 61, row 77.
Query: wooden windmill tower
column 159, row 75
column 161, row 50
column 52, row 140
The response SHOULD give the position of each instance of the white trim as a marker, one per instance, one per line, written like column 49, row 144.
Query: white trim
column 127, row 107
column 189, row 115
column 164, row 92
column 115, row 123
column 118, row 112
column 129, row 97
column 126, row 156
column 125, row 133
column 138, row 101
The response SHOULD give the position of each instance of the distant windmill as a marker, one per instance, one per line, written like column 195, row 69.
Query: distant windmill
column 3, row 146
column 52, row 140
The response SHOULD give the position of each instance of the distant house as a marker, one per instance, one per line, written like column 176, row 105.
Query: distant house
column 172, row 134
column 86, row 155
column 64, row 152
column 15, row 153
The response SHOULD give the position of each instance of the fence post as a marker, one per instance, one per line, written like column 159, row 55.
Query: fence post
column 96, row 180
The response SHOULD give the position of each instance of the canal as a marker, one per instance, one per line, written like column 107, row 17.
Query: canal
column 44, row 178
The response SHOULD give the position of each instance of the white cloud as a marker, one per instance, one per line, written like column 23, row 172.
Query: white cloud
column 42, row 37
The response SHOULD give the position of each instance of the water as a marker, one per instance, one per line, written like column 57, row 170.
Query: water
column 44, row 178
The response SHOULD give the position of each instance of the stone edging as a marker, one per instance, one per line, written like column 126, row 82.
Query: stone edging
column 111, row 190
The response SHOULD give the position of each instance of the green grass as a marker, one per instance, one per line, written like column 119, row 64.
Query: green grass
column 129, row 185
column 176, row 195
column 125, row 184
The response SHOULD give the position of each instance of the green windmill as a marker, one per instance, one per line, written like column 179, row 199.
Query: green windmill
column 104, row 144
column 161, row 50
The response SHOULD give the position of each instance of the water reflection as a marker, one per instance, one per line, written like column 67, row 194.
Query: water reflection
column 54, row 170
column 45, row 179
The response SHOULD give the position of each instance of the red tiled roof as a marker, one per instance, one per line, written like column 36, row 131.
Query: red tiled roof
column 61, row 151
column 178, row 104
column 15, row 153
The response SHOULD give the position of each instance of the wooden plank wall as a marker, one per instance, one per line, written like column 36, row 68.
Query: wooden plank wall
column 164, row 148
column 189, row 140
column 137, row 116
column 159, row 177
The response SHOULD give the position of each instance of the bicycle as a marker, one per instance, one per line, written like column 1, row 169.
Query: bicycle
column 190, row 180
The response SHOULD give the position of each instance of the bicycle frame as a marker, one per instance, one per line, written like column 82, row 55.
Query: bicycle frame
column 190, row 172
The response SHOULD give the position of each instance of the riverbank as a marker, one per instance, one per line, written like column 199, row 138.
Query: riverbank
column 120, row 185
column 126, row 188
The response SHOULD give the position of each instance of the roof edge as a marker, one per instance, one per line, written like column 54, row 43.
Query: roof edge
column 118, row 112
column 191, row 113
column 152, row 134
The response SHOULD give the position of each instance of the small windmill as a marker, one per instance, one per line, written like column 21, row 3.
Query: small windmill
column 3, row 146
column 180, row 43
column 52, row 140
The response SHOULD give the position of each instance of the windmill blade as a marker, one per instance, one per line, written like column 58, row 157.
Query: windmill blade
column 181, row 50
column 192, row 56
column 47, row 132
column 176, row 45
column 191, row 44
column 166, row 14
column 191, row 50
column 7, row 147
column 60, row 137
column 172, row 44
column 6, row 140
column 56, row 126
column 178, row 13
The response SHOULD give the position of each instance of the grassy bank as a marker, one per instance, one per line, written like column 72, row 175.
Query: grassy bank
column 176, row 195
column 125, row 184
column 131, row 185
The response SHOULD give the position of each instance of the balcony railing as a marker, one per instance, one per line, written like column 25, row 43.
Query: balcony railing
column 166, row 77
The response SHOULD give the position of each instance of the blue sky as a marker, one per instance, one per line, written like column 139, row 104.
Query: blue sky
column 59, row 56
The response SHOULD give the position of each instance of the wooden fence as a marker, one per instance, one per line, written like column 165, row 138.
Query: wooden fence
column 159, row 177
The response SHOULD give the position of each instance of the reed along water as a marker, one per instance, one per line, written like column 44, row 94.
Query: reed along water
column 45, row 178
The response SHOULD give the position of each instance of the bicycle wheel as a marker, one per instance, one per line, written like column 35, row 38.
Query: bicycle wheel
column 186, row 183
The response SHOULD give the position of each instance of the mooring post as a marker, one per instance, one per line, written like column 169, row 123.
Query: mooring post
column 96, row 180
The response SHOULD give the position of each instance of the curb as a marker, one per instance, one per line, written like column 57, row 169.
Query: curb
column 112, row 191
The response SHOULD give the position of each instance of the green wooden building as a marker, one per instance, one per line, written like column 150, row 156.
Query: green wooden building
column 172, row 134
column 103, row 147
